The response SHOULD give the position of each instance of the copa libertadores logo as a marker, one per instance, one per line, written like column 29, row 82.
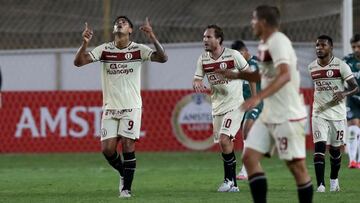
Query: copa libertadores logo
column 192, row 121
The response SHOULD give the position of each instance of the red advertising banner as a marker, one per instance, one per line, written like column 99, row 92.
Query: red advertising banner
column 69, row 121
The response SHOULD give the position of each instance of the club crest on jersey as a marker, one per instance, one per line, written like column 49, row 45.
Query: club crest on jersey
column 329, row 73
column 223, row 65
column 317, row 134
column 128, row 56
column 103, row 132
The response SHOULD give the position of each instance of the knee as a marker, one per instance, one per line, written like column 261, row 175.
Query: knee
column 108, row 151
column 128, row 145
column 246, row 159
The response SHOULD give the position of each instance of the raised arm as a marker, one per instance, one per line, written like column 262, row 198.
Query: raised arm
column 82, row 57
column 159, row 55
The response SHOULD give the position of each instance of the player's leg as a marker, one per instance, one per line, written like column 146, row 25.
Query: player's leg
column 291, row 148
column 358, row 146
column 230, row 124
column 290, row 143
column 320, row 136
column 353, row 117
column 257, row 144
column 249, row 119
column 302, row 178
column 337, row 132
column 242, row 175
column 109, row 143
column 129, row 130
column 352, row 142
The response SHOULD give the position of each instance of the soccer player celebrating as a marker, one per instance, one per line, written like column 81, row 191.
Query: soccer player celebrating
column 353, row 106
column 121, row 62
column 329, row 111
column 281, row 123
column 226, row 97
column 251, row 115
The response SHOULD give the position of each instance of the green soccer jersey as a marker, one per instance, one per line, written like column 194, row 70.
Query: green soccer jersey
column 354, row 66
column 253, row 63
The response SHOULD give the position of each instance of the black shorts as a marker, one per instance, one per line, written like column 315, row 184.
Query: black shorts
column 352, row 108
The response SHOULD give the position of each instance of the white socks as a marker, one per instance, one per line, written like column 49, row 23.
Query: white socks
column 353, row 143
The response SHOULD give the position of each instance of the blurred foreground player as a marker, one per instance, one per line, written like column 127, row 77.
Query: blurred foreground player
column 282, row 122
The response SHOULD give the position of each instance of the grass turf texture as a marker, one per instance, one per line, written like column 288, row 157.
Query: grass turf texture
column 160, row 177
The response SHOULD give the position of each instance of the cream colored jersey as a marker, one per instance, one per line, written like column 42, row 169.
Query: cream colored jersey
column 226, row 94
column 327, row 80
column 120, row 73
column 287, row 103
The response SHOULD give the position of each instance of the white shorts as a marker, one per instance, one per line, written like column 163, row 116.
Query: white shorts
column 125, row 123
column 228, row 124
column 287, row 137
column 330, row 131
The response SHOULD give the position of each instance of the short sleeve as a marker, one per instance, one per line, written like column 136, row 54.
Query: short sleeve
column 280, row 49
column 241, row 63
column 146, row 52
column 95, row 54
column 199, row 72
column 345, row 71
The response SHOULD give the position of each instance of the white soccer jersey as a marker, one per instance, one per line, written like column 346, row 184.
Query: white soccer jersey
column 287, row 103
column 327, row 80
column 225, row 94
column 121, row 73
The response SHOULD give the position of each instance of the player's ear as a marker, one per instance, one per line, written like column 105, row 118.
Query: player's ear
column 130, row 30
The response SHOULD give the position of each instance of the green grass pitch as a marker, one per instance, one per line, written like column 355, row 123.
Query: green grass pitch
column 160, row 177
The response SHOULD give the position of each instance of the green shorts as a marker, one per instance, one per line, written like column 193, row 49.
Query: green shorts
column 253, row 114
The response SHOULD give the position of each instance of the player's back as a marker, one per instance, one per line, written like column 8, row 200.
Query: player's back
column 287, row 103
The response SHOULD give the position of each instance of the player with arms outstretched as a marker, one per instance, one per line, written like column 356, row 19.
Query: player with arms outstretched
column 121, row 62
column 329, row 74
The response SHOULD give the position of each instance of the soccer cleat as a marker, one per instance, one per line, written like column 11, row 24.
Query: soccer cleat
column 234, row 189
column 334, row 185
column 241, row 176
column 358, row 165
column 226, row 186
column 125, row 194
column 121, row 184
column 321, row 188
column 352, row 164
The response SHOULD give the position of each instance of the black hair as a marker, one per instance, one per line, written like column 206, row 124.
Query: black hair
column 355, row 38
column 326, row 37
column 270, row 14
column 238, row 45
column 218, row 32
column 126, row 18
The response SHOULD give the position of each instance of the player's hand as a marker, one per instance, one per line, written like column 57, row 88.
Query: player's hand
column 147, row 29
column 199, row 86
column 87, row 33
column 227, row 73
column 250, row 103
column 338, row 96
